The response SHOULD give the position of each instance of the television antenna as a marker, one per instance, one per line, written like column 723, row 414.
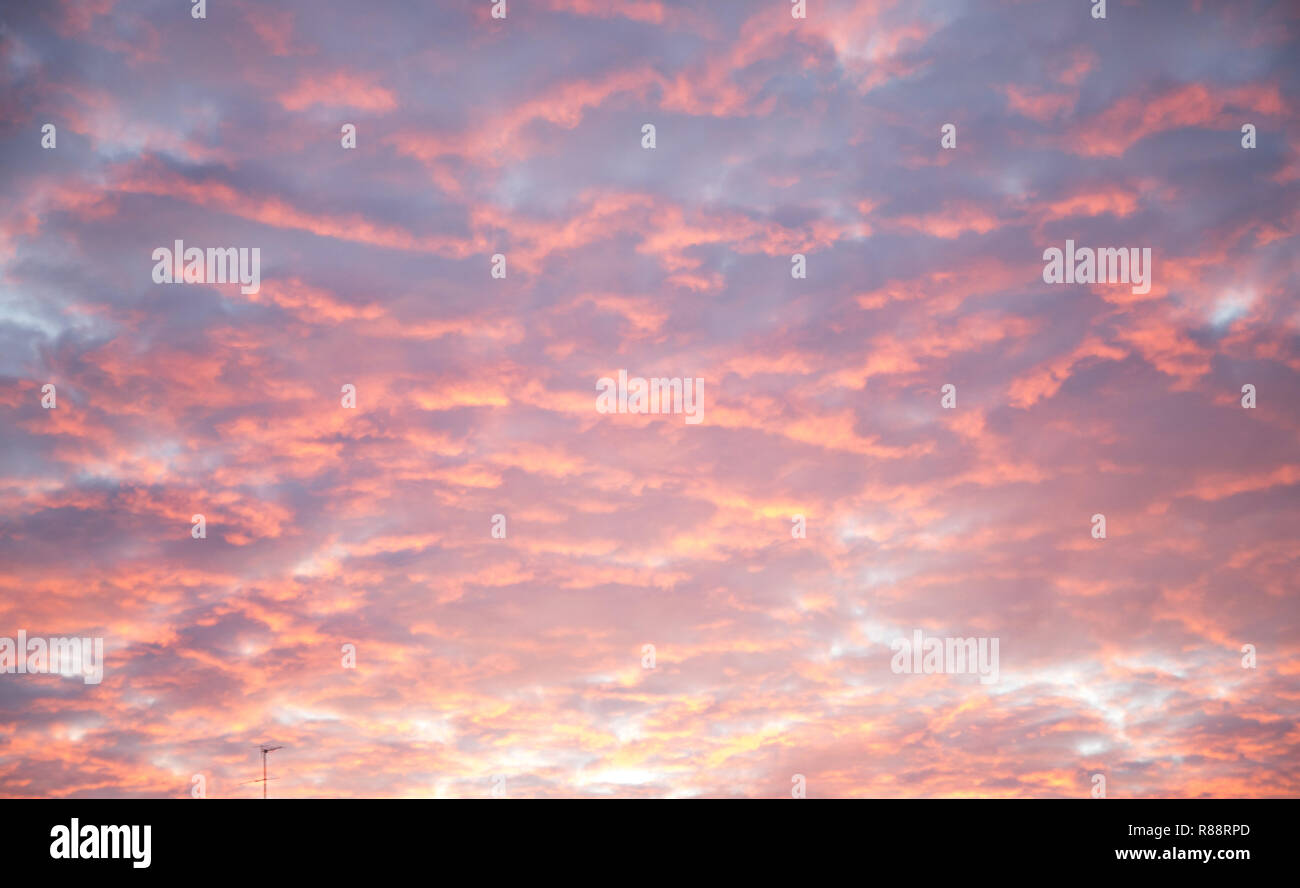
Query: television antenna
column 267, row 749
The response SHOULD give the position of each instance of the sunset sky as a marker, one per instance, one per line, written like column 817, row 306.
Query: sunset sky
column 522, row 658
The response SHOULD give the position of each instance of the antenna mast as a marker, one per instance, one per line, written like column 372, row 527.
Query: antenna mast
column 266, row 750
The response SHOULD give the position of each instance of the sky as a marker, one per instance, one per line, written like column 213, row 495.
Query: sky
column 834, row 496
